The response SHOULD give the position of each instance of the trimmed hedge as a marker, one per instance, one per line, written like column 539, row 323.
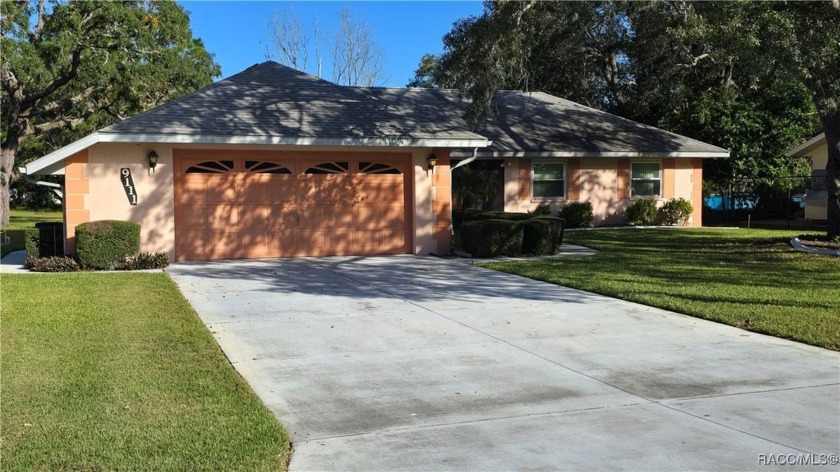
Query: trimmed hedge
column 46, row 239
column 537, row 237
column 558, row 228
column 460, row 217
column 32, row 241
column 577, row 214
column 501, row 215
column 491, row 238
column 105, row 244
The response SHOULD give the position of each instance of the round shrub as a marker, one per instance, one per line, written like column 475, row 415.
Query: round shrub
column 642, row 212
column 541, row 210
column 577, row 214
column 491, row 238
column 105, row 244
column 675, row 211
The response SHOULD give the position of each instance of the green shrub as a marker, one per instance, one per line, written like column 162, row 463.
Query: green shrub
column 558, row 227
column 491, row 238
column 144, row 261
column 541, row 210
column 577, row 214
column 104, row 244
column 51, row 264
column 462, row 216
column 503, row 215
column 642, row 212
column 32, row 241
column 675, row 212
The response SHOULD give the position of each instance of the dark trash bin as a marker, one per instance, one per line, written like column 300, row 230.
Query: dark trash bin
column 50, row 238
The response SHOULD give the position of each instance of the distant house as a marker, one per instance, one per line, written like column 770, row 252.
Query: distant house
column 816, row 197
column 272, row 162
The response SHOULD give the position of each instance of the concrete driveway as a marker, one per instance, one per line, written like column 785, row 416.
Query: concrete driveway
column 419, row 363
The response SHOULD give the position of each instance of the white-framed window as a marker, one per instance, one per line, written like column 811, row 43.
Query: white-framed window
column 645, row 179
column 548, row 180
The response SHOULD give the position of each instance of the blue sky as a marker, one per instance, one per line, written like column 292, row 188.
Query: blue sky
column 235, row 31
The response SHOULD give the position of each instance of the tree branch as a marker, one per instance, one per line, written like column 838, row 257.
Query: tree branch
column 61, row 123
column 62, row 103
column 35, row 37
column 75, row 61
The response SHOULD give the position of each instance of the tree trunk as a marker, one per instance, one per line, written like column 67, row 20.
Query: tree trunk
column 7, row 169
column 831, row 125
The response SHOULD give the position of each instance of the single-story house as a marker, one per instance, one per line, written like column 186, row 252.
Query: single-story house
column 816, row 196
column 273, row 162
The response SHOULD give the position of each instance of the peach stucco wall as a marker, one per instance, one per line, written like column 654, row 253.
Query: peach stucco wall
column 76, row 190
column 603, row 182
column 103, row 197
column 432, row 203
column 154, row 210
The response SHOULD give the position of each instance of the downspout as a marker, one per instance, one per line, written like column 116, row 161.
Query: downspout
column 461, row 163
column 467, row 160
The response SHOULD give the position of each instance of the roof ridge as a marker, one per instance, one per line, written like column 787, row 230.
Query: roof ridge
column 580, row 105
column 248, row 71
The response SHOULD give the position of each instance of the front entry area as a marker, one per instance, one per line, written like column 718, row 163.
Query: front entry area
column 252, row 204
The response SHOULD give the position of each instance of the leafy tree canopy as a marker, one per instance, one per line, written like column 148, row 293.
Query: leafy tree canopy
column 72, row 67
column 754, row 77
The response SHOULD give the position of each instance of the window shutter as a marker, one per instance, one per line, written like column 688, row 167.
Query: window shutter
column 524, row 179
column 668, row 177
column 573, row 179
column 623, row 178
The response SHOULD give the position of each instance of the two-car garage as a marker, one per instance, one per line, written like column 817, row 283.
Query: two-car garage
column 251, row 204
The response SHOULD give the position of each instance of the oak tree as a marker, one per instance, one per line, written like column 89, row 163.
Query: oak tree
column 69, row 68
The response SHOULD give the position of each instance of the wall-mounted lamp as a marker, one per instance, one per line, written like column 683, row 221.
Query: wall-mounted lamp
column 432, row 161
column 153, row 158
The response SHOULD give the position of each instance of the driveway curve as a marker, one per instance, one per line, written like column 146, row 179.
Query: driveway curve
column 420, row 363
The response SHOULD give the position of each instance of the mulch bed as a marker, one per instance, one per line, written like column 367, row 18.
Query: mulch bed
column 818, row 242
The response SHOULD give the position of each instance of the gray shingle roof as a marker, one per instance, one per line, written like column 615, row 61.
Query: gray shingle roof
column 269, row 99
column 541, row 122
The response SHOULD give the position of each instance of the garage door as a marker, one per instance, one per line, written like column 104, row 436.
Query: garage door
column 251, row 204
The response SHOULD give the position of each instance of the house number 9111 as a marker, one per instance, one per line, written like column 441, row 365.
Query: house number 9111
column 128, row 185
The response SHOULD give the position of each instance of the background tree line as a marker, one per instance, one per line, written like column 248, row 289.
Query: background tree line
column 753, row 77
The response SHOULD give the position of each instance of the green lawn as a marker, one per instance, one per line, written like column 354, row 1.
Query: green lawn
column 20, row 220
column 750, row 279
column 117, row 372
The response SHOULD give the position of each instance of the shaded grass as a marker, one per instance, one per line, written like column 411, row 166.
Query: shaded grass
column 751, row 279
column 19, row 220
column 116, row 371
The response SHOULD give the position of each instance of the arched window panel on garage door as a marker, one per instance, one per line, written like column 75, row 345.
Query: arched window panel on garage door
column 336, row 167
column 377, row 168
column 211, row 167
column 266, row 167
